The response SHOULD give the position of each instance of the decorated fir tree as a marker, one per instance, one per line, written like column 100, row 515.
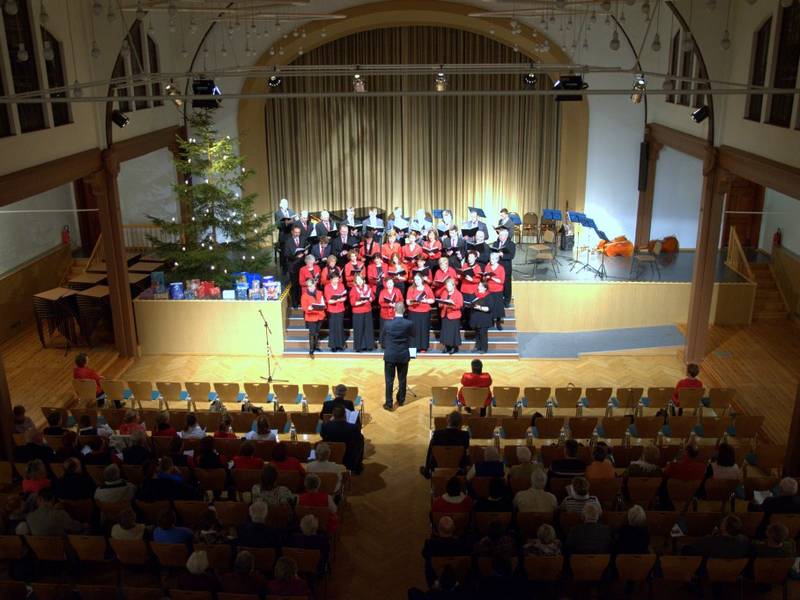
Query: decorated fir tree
column 222, row 234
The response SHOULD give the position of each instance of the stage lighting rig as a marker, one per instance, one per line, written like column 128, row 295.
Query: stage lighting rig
column 440, row 82
column 120, row 119
column 701, row 114
column 570, row 83
column 639, row 87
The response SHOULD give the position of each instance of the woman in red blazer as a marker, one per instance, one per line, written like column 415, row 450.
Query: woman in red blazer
column 361, row 297
column 419, row 299
column 432, row 249
column 353, row 266
column 390, row 247
column 387, row 298
column 330, row 267
column 397, row 271
column 476, row 378
column 450, row 316
column 411, row 250
column 495, row 276
column 308, row 271
column 376, row 274
column 335, row 298
column 443, row 273
column 313, row 304
column 369, row 247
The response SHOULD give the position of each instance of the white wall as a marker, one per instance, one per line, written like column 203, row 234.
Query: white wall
column 145, row 187
column 676, row 197
column 784, row 212
column 24, row 236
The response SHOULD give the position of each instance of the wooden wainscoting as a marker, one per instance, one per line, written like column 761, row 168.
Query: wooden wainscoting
column 786, row 268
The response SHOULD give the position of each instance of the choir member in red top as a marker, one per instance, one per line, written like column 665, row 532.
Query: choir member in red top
column 412, row 249
column 361, row 298
column 477, row 378
column 690, row 381
column 387, row 298
column 376, row 274
column 369, row 247
column 353, row 266
column 421, row 268
column 308, row 271
column 335, row 297
column 330, row 267
column 450, row 304
column 470, row 276
column 313, row 304
column 443, row 273
column 480, row 318
column 398, row 271
column 432, row 248
column 419, row 298
column 390, row 247
column 495, row 276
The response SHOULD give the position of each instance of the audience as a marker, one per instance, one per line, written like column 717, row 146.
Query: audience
column 443, row 543
column 21, row 422
column 729, row 542
column 246, row 459
column 310, row 538
column 600, row 467
column 314, row 497
column 476, row 378
column 262, row 432
column 633, row 537
column 578, row 497
column 499, row 499
column 163, row 427
column 688, row 467
column 99, row 452
column 525, row 465
column 137, row 453
column 74, row 484
column 454, row 500
column 496, row 543
column 192, row 431
column 198, row 577
column 225, row 429
column 270, row 492
column 286, row 581
column 166, row 532
column 126, row 528
column 176, row 453
column 339, row 430
column 166, row 485
column 255, row 533
column 322, row 464
column 54, row 424
column 777, row 545
column 47, row 519
column 786, row 502
column 82, row 371
column 206, row 457
column 451, row 435
column 244, row 579
column 589, row 537
column 281, row 460
column 724, row 466
column 114, row 488
column 209, row 530
column 570, row 465
column 546, row 542
column 85, row 426
column 69, row 447
column 339, row 393
column 647, row 465
column 690, row 381
column 131, row 423
column 34, row 448
column 35, row 479
column 491, row 465
column 535, row 498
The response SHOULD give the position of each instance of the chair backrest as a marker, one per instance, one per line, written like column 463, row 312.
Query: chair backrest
column 699, row 524
column 460, row 564
column 13, row 590
column 589, row 567
column 597, row 397
column 691, row 397
column 548, row 236
column 681, row 427
column 536, row 397
column 481, row 428
column 530, row 219
column 581, row 427
column 529, row 522
column 130, row 552
column 747, row 426
column 286, row 393
column 714, row 427
column 681, row 491
column 142, row 390
column 720, row 489
column 515, row 429
column 170, row 391
column 792, row 523
column 219, row 556
column 198, row 391
column 486, row 563
column 505, row 396
column 257, row 392
column 187, row 595
column 316, row 393
column 720, row 398
column 440, row 478
column 90, row 548
column 11, row 547
column 227, row 392
column 568, row 396
column 96, row 592
column 138, row 593
column 606, row 490
column 337, row 451
column 679, row 568
column 628, row 397
column 151, row 510
column 772, row 570
column 305, row 422
column 112, row 510
column 474, row 397
column 659, row 397
column 543, row 568
column 351, row 393
column 114, row 389
column 725, row 570
column 648, row 427
column 614, row 428
column 306, row 559
column 643, row 490
column 264, row 558
column 770, row 456
column 172, row 556
column 444, row 395
column 448, row 456
column 549, row 428
column 85, row 390
column 47, row 547
column 635, row 567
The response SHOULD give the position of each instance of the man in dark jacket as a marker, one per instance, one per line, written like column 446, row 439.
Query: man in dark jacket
column 34, row 448
column 339, row 430
column 397, row 340
column 74, row 484
column 339, row 392
column 137, row 453
column 452, row 435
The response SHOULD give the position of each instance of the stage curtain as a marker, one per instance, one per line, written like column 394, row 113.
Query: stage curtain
column 413, row 152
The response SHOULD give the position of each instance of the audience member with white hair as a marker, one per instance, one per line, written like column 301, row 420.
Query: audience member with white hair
column 443, row 543
column 589, row 537
column 525, row 465
column 633, row 537
column 255, row 533
column 198, row 577
column 114, row 488
column 310, row 538
column 244, row 579
column 490, row 466
column 286, row 581
column 323, row 464
column 786, row 502
column 535, row 498
column 546, row 542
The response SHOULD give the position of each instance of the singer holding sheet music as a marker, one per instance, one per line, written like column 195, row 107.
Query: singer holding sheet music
column 361, row 297
column 450, row 305
column 313, row 305
column 353, row 267
column 507, row 250
column 387, row 298
column 495, row 277
column 343, row 243
column 480, row 318
column 335, row 297
column 293, row 251
column 419, row 298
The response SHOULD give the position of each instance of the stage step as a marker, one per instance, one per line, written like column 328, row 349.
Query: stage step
column 295, row 322
column 294, row 331
column 301, row 343
column 378, row 354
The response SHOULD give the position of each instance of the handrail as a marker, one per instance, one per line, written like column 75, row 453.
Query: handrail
column 736, row 259
column 97, row 253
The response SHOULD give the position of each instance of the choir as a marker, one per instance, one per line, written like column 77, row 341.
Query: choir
column 358, row 270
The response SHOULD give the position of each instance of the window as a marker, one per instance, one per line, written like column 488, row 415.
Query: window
column 137, row 64
column 687, row 70
column 141, row 60
column 152, row 53
column 55, row 78
column 24, row 73
column 5, row 123
column 700, row 99
column 120, row 89
column 674, row 49
column 758, row 70
column 786, row 63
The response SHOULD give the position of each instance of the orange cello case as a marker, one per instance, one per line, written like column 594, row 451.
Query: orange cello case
column 619, row 246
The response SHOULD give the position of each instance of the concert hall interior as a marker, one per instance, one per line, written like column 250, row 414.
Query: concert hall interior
column 399, row 298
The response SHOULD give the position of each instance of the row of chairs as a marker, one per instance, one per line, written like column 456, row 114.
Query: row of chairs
column 17, row 590
column 630, row 400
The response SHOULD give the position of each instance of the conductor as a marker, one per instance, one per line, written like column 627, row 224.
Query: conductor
column 398, row 334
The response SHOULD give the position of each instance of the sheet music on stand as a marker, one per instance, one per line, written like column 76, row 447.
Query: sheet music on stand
column 552, row 214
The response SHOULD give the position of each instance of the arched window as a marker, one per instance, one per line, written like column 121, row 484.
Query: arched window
column 141, row 60
column 5, row 123
column 787, row 58
column 54, row 67
column 758, row 69
column 22, row 54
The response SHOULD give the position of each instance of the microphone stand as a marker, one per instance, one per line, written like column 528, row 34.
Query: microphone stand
column 267, row 331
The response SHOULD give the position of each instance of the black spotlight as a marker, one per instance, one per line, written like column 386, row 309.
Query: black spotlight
column 119, row 118
column 530, row 80
column 274, row 81
column 570, row 83
column 701, row 114
column 205, row 87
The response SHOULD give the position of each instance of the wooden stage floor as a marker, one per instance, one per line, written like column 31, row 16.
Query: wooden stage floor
column 386, row 522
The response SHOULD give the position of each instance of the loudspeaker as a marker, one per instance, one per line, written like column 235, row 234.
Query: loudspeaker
column 644, row 162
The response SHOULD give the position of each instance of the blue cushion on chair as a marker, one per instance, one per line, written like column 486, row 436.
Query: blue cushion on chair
column 155, row 395
column 600, row 431
column 585, row 402
column 299, row 399
column 633, row 431
column 240, row 397
column 212, row 396
column 358, row 400
column 698, row 429
column 127, row 394
column 645, row 401
column 270, row 397
column 614, row 402
column 184, row 395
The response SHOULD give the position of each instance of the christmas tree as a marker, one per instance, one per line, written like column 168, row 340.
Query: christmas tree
column 222, row 233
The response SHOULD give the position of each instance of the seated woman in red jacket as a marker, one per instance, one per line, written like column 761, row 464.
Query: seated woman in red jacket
column 281, row 460
column 476, row 378
column 690, row 381
column 313, row 497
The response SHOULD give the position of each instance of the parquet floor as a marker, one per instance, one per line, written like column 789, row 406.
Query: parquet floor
column 386, row 519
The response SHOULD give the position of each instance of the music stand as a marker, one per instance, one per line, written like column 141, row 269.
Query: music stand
column 589, row 224
column 578, row 218
column 601, row 272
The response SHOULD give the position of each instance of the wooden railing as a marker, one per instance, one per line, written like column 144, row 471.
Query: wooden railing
column 135, row 236
column 736, row 259
column 786, row 269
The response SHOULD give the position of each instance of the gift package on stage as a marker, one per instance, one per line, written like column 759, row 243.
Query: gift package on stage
column 158, row 285
column 271, row 287
column 207, row 290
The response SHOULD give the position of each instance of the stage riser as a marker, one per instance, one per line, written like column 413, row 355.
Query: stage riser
column 506, row 346
column 299, row 322
column 378, row 355
column 510, row 314
column 506, row 334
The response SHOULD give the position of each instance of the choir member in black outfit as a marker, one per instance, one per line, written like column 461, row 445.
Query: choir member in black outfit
column 283, row 221
column 294, row 251
column 306, row 226
column 480, row 318
column 361, row 297
column 343, row 243
column 481, row 247
column 453, row 247
column 325, row 226
column 321, row 249
column 507, row 250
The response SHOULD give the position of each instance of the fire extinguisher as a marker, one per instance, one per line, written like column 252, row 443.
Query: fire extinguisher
column 777, row 238
column 65, row 238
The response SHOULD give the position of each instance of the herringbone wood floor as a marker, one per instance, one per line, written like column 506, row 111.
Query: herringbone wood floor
column 386, row 520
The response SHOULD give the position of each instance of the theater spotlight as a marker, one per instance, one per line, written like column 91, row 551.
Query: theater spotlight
column 205, row 87
column 639, row 86
column 119, row 118
column 530, row 80
column 359, row 85
column 172, row 91
column 274, row 81
column 571, row 83
column 701, row 114
column 440, row 82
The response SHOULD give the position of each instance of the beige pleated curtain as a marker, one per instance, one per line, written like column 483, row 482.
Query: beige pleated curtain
column 413, row 152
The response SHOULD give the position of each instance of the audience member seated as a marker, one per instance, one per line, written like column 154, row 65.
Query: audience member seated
column 99, row 452
column 313, row 497
column 262, row 432
column 166, row 532
column 451, row 435
column 137, row 453
column 491, row 465
column 198, row 577
column 270, row 492
column 570, row 465
column 476, row 378
column 339, row 430
column 545, row 544
column 535, row 498
column 85, row 427
column 74, row 484
column 777, row 544
column 34, row 448
column 21, row 422
column 633, row 537
column 69, row 447
column 728, row 542
column 192, row 430
column 689, row 467
column 176, row 454
column 454, row 500
column 206, row 457
column 281, row 460
column 166, row 485
column 647, row 465
column 286, row 581
column 339, row 393
column 600, row 467
column 786, row 502
column 255, row 533
column 499, row 499
column 496, row 543
column 724, row 466
column 447, row 587
column 35, row 479
column 591, row 536
column 310, row 538
column 443, row 543
column 163, row 427
column 127, row 528
column 246, row 459
column 322, row 464
column 209, row 529
column 114, row 488
column 46, row 519
column 578, row 496
column 525, row 465
column 82, row 371
column 244, row 579
column 690, row 381
column 167, row 470
column 225, row 429
column 131, row 423
column 54, row 424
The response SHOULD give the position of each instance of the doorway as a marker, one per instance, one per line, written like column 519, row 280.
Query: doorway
column 743, row 212
column 88, row 222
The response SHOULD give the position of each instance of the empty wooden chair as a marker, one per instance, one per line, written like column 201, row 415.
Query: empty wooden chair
column 549, row 428
column 719, row 400
column 448, row 456
column 635, row 568
column 699, row 524
column 773, row 571
column 172, row 393
column 484, row 519
column 720, row 490
column 482, row 428
column 537, row 397
column 115, row 391
column 142, row 391
column 681, row 427
column 627, row 399
column 442, row 396
column 589, row 567
column 505, row 397
column 199, row 391
column 581, row 428
column 515, row 429
column 567, row 397
column 658, row 398
column 745, row 428
column 89, row 548
column 681, row 492
column 624, row 455
column 543, row 568
column 679, row 568
column 316, row 393
column 130, row 553
column 648, row 428
column 170, row 556
column 286, row 393
column 769, row 457
column 227, row 392
column 725, row 570
column 257, row 392
column 643, row 490
column 691, row 398
column 48, row 548
column 713, row 428
column 306, row 423
column 613, row 428
column 596, row 398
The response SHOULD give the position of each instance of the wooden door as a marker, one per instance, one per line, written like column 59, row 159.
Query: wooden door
column 743, row 212
column 88, row 222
